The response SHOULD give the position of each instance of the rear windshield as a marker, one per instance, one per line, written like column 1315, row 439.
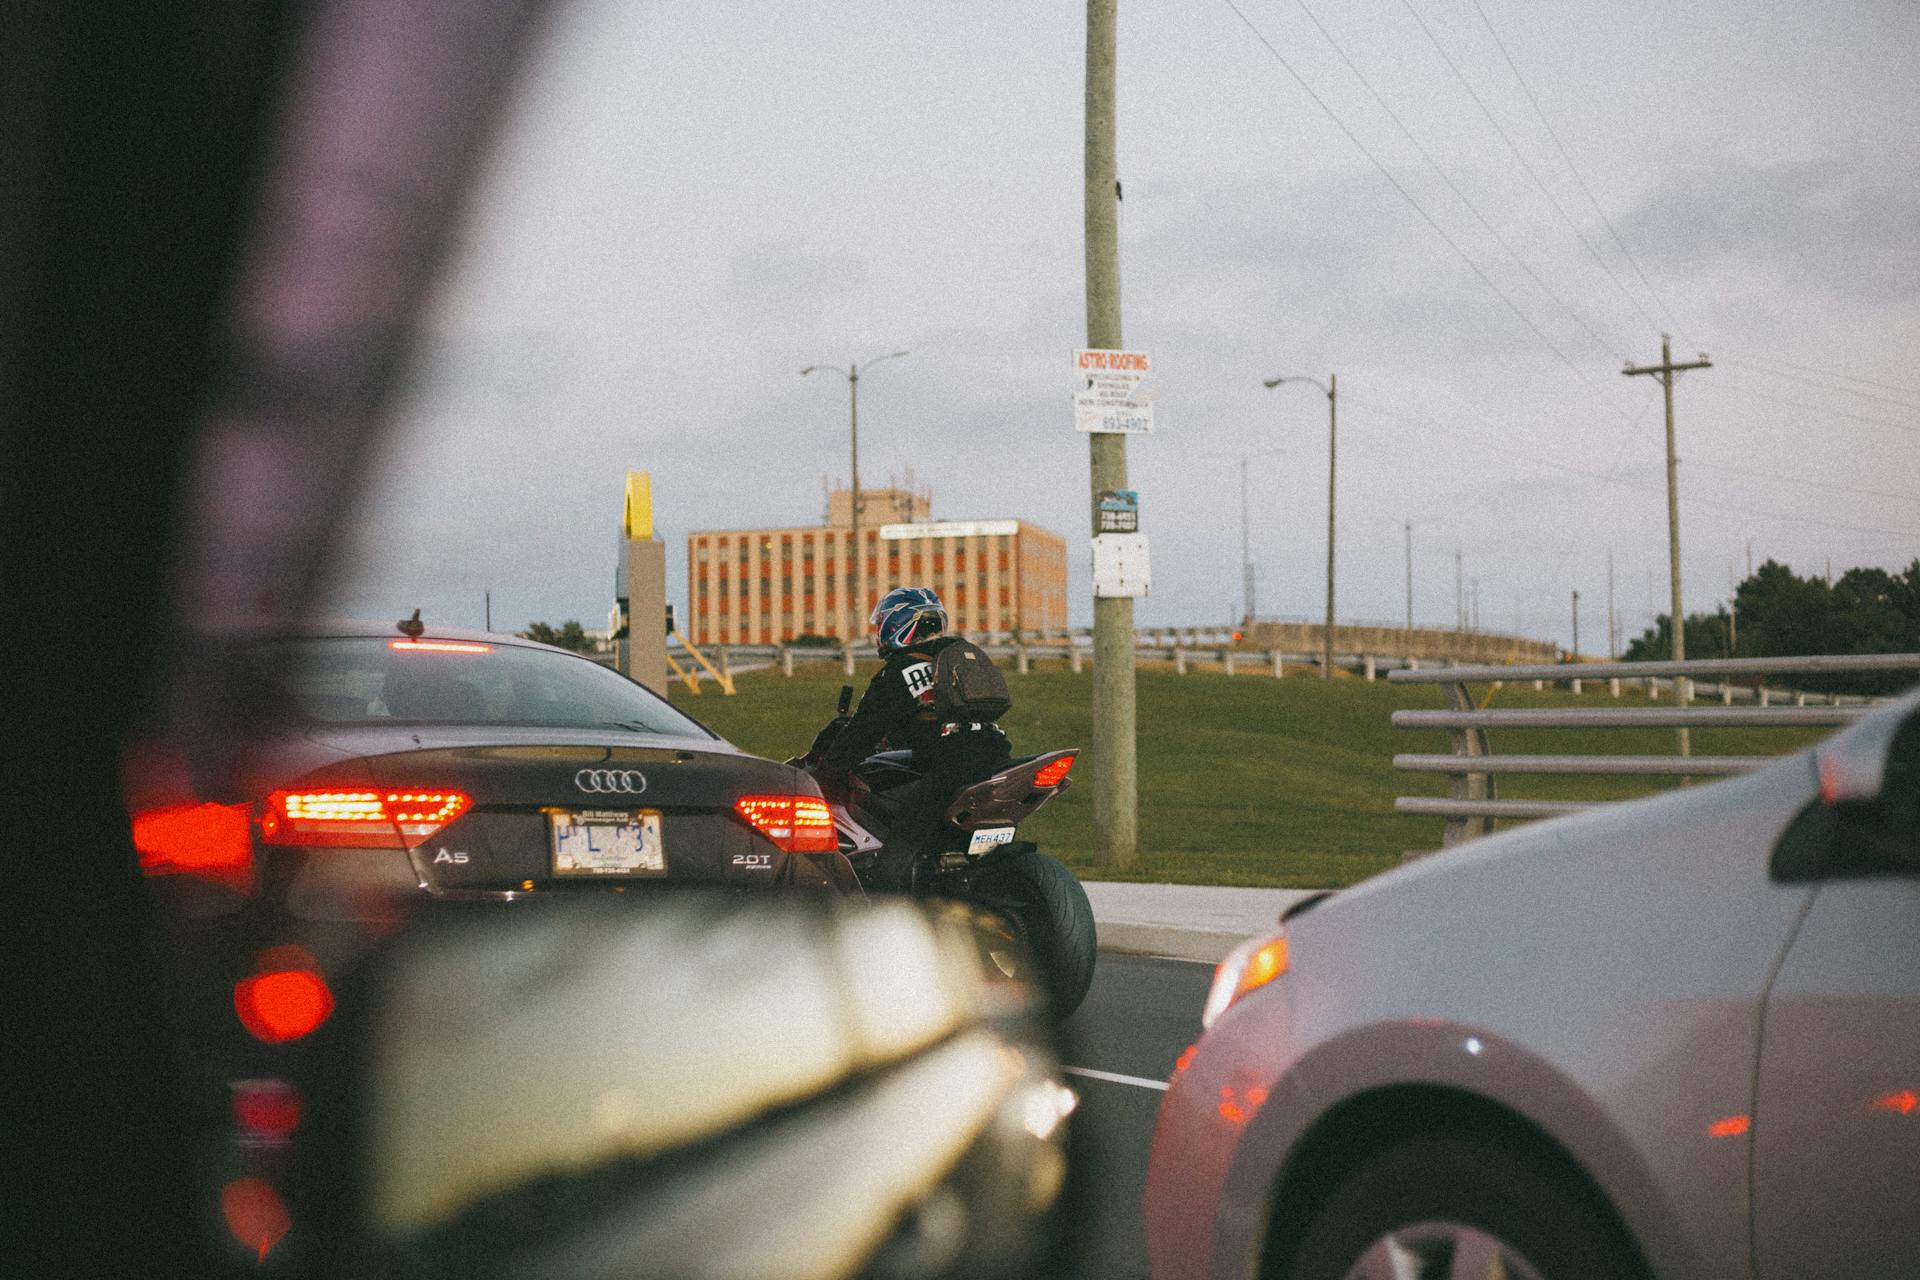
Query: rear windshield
column 375, row 680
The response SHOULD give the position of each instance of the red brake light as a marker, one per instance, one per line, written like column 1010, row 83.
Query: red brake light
column 282, row 1005
column 1054, row 772
column 209, row 840
column 798, row 824
column 359, row 819
column 439, row 646
column 255, row 1214
column 266, row 1110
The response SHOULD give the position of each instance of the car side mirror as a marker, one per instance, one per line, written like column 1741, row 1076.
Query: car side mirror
column 846, row 698
column 689, row 1085
column 1867, row 818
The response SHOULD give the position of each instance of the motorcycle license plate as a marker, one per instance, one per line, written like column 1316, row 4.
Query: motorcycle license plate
column 987, row 839
column 604, row 842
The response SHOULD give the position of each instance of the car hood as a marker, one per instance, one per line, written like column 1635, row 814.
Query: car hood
column 1677, row 832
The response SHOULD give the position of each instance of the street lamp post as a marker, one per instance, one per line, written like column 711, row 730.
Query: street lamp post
column 856, row 597
column 1331, row 389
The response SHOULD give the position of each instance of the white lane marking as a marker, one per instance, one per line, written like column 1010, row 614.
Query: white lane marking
column 1138, row 1082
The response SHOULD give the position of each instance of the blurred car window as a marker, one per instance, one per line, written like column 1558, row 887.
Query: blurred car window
column 353, row 680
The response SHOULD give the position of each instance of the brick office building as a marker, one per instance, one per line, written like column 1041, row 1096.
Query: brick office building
column 767, row 586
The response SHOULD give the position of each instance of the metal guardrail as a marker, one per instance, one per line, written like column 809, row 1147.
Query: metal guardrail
column 1471, row 805
column 1181, row 656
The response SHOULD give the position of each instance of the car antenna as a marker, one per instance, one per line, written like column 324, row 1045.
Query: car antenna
column 412, row 627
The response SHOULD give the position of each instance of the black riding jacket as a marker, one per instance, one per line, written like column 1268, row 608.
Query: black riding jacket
column 897, row 709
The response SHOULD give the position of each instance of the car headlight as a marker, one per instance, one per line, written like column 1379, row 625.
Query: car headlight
column 1248, row 967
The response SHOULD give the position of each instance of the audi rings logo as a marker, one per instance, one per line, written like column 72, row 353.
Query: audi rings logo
column 611, row 782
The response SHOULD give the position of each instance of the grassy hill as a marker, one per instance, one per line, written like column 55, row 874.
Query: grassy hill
column 1248, row 780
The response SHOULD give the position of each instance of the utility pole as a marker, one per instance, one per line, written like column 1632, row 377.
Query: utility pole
column 488, row 610
column 1576, row 626
column 1246, row 549
column 1613, row 618
column 856, row 581
column 1116, row 816
column 1331, row 389
column 1665, row 371
column 1459, row 599
column 1333, row 404
column 1409, row 575
column 1733, row 613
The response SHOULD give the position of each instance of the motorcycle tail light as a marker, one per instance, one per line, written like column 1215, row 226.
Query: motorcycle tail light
column 1054, row 772
column 797, row 824
column 359, row 819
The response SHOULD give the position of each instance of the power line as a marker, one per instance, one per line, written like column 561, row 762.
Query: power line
column 1453, row 186
column 1421, row 210
column 1762, row 366
column 1437, row 514
column 1528, row 167
column 1821, row 408
column 1791, row 518
column 1850, row 377
column 1574, row 169
column 1816, row 484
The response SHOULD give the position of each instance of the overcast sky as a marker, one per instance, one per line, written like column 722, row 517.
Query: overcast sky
column 696, row 199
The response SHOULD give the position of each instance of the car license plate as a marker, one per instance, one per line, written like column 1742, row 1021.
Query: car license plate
column 607, row 842
column 987, row 839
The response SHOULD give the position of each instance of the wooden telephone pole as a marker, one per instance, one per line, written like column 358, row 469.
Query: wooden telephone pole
column 1116, row 814
column 1683, row 687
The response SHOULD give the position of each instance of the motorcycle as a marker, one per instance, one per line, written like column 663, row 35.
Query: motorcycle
column 973, row 856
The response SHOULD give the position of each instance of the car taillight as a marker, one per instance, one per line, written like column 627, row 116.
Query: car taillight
column 798, row 824
column 265, row 1110
column 1054, row 772
column 359, row 819
column 213, row 841
column 282, row 1004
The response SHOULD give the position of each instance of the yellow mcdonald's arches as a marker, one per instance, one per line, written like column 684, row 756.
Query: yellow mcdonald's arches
column 639, row 506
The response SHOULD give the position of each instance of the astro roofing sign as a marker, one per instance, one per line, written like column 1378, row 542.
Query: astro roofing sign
column 1110, row 399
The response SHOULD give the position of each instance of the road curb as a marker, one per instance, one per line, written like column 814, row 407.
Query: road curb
column 1185, row 921
column 1125, row 937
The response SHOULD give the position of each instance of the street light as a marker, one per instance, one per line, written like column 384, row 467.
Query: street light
column 1331, row 389
column 857, row 597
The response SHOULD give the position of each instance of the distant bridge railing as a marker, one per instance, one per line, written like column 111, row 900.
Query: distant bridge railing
column 1188, row 650
column 1472, row 805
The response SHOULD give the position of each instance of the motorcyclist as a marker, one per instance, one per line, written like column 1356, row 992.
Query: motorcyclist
column 909, row 626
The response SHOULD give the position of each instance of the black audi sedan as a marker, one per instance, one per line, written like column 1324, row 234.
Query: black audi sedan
column 407, row 769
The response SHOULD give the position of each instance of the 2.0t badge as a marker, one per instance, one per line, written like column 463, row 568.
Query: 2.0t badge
column 610, row 782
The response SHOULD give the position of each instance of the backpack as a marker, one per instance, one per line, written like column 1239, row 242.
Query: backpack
column 966, row 684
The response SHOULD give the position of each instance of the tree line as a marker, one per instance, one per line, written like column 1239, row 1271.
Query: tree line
column 1777, row 613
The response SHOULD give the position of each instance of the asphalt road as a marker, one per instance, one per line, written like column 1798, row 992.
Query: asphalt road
column 1140, row 1015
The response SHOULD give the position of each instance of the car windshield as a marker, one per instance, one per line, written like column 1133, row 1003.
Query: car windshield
column 371, row 680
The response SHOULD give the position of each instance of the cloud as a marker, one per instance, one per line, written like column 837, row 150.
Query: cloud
column 1815, row 225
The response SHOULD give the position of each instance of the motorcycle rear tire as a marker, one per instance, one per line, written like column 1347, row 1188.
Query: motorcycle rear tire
column 1050, row 909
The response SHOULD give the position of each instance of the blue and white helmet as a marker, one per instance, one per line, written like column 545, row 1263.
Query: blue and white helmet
column 907, row 616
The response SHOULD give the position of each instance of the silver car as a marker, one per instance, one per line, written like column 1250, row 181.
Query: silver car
column 1678, row 1037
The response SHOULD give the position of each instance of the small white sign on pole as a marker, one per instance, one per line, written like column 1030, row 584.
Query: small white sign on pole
column 1110, row 399
column 1120, row 566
